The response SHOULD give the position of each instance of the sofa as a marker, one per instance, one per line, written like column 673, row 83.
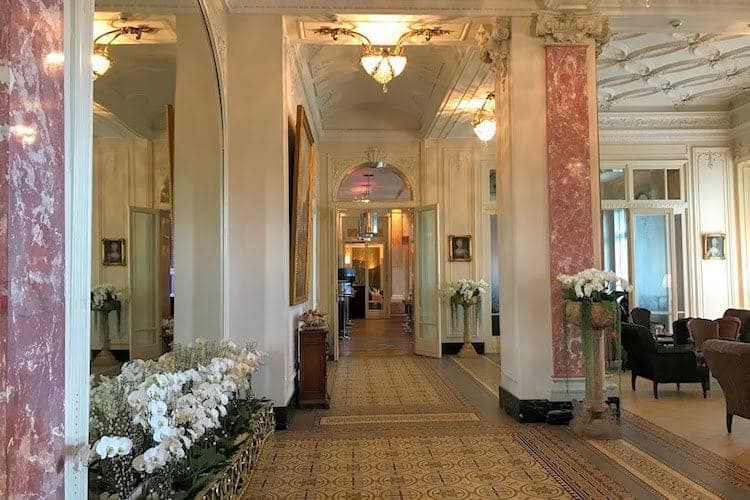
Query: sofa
column 661, row 364
column 730, row 364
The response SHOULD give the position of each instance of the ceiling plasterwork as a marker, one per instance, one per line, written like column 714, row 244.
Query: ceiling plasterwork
column 348, row 99
column 673, row 70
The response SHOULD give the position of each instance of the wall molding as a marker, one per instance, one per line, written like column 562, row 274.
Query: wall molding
column 79, row 96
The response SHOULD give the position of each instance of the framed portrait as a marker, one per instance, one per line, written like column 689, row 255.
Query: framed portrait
column 459, row 248
column 714, row 246
column 301, row 198
column 113, row 252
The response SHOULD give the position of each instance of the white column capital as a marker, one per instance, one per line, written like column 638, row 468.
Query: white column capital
column 566, row 27
column 494, row 48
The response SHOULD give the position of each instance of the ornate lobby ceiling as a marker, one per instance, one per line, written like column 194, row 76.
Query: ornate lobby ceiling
column 673, row 70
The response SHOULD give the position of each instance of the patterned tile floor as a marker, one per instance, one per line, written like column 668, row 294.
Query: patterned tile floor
column 407, row 427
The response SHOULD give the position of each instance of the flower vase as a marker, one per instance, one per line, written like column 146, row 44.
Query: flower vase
column 593, row 418
column 467, row 350
column 105, row 359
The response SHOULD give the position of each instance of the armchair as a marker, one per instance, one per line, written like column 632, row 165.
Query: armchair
column 730, row 364
column 744, row 316
column 660, row 364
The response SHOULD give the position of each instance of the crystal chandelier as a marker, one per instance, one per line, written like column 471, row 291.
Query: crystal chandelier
column 484, row 124
column 383, row 64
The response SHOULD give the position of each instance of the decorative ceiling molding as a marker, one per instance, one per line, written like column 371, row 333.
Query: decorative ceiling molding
column 494, row 47
column 476, row 7
column 469, row 90
column 570, row 26
column 675, row 120
column 340, row 165
column 673, row 69
column 662, row 136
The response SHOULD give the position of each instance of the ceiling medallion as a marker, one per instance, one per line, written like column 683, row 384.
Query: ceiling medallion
column 383, row 64
column 100, row 58
column 484, row 124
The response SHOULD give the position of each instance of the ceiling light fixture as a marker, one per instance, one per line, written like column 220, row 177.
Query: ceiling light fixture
column 484, row 124
column 101, row 61
column 364, row 197
column 383, row 64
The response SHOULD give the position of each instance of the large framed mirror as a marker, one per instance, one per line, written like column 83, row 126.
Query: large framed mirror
column 157, row 183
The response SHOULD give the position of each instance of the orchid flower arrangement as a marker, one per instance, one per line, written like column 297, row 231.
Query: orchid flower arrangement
column 465, row 289
column 313, row 318
column 106, row 292
column 154, row 412
column 593, row 285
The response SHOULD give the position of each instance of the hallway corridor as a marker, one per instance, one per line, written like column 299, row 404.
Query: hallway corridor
column 409, row 427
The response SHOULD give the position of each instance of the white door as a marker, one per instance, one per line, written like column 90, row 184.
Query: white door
column 145, row 318
column 426, row 290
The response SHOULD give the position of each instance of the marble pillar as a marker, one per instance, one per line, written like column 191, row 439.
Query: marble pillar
column 572, row 162
column 32, row 226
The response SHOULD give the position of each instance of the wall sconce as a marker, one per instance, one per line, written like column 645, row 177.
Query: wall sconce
column 484, row 123
column 383, row 64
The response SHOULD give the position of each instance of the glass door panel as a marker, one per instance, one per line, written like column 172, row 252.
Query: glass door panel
column 652, row 276
column 375, row 282
column 426, row 296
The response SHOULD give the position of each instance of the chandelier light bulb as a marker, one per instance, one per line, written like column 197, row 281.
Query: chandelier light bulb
column 100, row 63
column 485, row 129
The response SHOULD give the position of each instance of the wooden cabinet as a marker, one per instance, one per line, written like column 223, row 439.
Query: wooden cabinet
column 313, row 377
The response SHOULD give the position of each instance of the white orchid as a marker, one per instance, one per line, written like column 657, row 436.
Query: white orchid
column 113, row 446
column 593, row 285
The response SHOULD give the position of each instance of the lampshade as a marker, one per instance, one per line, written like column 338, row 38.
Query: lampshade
column 383, row 66
column 100, row 62
column 485, row 128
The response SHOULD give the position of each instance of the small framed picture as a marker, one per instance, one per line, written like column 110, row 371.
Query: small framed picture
column 714, row 246
column 113, row 252
column 459, row 248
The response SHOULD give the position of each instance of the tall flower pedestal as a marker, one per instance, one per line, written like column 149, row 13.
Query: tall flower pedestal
column 105, row 359
column 593, row 418
column 470, row 306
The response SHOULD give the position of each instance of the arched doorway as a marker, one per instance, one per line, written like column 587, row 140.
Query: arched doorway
column 373, row 205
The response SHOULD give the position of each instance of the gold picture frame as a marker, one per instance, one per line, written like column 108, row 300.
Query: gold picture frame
column 114, row 252
column 301, row 198
column 459, row 248
column 714, row 246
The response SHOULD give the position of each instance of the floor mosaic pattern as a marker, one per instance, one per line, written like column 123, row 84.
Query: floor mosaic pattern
column 378, row 385
column 480, row 466
column 407, row 427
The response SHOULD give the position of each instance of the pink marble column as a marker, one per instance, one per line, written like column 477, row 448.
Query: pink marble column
column 569, row 177
column 32, row 314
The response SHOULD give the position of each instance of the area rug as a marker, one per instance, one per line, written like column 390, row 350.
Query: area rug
column 397, row 385
column 494, row 465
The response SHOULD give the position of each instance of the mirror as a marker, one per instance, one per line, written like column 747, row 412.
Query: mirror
column 157, row 188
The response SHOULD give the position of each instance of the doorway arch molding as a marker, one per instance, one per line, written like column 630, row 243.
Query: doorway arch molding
column 340, row 166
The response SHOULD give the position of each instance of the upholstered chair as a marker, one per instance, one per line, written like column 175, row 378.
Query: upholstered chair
column 702, row 330
column 744, row 316
column 730, row 364
column 660, row 364
column 641, row 316
column 729, row 328
column 680, row 332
